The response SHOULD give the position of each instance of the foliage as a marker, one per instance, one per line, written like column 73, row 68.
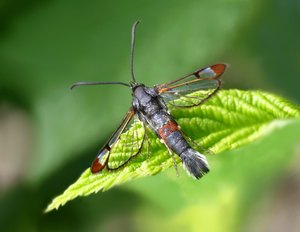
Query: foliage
column 227, row 121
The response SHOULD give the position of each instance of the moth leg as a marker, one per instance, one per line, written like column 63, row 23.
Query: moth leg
column 144, row 120
column 147, row 138
column 175, row 165
column 173, row 158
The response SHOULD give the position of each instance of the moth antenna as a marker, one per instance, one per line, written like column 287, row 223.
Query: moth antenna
column 132, row 48
column 98, row 83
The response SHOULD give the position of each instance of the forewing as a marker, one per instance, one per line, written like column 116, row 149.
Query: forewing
column 131, row 142
column 193, row 89
column 131, row 138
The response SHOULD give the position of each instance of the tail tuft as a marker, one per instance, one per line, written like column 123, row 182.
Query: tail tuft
column 195, row 164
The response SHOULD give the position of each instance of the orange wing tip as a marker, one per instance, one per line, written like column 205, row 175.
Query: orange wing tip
column 96, row 166
column 218, row 69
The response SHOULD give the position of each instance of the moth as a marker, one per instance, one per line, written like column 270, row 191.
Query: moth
column 150, row 107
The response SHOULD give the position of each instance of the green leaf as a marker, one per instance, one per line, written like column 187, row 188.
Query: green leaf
column 229, row 120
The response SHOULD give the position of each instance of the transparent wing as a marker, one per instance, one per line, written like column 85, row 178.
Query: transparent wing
column 193, row 89
column 196, row 145
column 131, row 139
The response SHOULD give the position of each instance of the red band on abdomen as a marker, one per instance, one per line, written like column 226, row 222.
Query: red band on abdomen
column 167, row 129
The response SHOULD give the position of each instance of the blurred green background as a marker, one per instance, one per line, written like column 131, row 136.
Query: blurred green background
column 49, row 135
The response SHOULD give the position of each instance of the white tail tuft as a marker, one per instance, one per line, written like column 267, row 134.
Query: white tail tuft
column 195, row 163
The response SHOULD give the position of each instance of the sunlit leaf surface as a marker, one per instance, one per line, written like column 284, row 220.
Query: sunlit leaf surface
column 229, row 120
